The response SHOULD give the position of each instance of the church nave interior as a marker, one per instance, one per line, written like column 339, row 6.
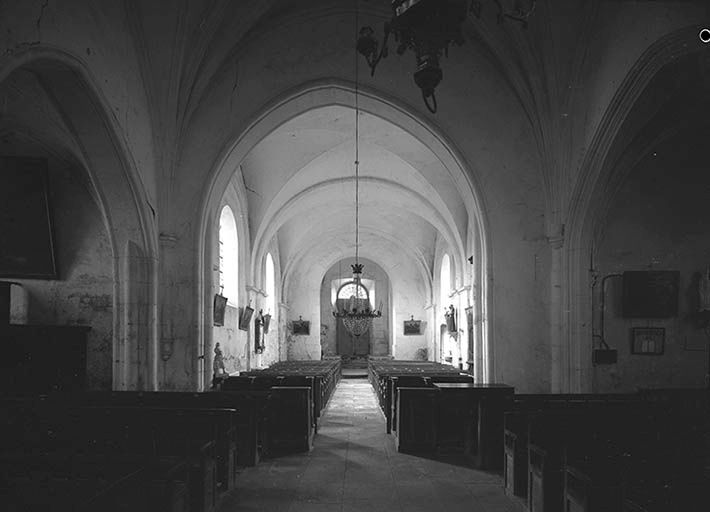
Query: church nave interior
column 218, row 218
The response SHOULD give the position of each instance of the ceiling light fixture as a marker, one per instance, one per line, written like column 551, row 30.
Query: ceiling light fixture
column 428, row 27
column 357, row 316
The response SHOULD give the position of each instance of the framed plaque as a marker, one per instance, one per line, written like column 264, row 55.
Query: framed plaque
column 220, row 304
column 648, row 341
column 301, row 327
column 245, row 318
column 412, row 327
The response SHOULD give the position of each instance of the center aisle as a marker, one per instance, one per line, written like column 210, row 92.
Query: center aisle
column 354, row 467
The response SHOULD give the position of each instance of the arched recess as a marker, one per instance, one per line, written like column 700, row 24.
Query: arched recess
column 233, row 342
column 589, row 201
column 376, row 280
column 336, row 92
column 95, row 142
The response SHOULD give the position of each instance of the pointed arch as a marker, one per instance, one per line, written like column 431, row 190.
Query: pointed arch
column 122, row 198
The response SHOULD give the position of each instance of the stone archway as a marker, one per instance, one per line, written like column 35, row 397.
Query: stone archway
column 320, row 95
column 121, row 198
column 588, row 203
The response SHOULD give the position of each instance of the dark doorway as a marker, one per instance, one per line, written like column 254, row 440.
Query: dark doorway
column 347, row 344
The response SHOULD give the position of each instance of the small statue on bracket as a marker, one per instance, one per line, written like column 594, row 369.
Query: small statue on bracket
column 218, row 369
column 450, row 316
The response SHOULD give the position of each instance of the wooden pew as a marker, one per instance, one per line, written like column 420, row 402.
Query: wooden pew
column 290, row 420
column 283, row 428
column 381, row 375
column 453, row 418
column 86, row 482
column 322, row 376
column 681, row 497
column 390, row 397
column 48, row 426
column 473, row 415
column 585, row 450
column 516, row 424
column 416, row 431
column 237, row 442
column 653, row 450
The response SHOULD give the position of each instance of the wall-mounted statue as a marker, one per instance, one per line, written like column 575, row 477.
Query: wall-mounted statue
column 259, row 333
column 218, row 370
column 451, row 320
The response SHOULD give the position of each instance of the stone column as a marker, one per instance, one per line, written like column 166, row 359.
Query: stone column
column 433, row 329
column 181, row 358
column 558, row 346
column 256, row 297
column 283, row 330
column 461, row 300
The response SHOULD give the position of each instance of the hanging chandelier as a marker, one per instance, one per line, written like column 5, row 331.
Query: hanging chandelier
column 428, row 28
column 357, row 316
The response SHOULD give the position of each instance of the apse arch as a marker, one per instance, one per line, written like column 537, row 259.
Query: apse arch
column 335, row 281
column 121, row 198
column 327, row 92
column 586, row 206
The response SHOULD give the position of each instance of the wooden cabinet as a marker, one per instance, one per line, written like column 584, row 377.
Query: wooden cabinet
column 43, row 358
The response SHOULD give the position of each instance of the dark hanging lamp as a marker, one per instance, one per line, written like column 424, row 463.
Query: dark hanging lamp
column 428, row 28
column 357, row 316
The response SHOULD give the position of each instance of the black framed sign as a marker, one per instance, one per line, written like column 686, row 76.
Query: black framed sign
column 245, row 317
column 648, row 341
column 26, row 235
column 301, row 327
column 412, row 327
column 220, row 305
column 650, row 293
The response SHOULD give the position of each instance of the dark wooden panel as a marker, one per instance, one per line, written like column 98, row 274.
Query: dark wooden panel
column 26, row 241
column 43, row 358
column 650, row 294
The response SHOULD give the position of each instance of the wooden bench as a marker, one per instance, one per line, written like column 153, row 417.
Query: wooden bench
column 583, row 450
column 471, row 421
column 416, row 431
column 283, row 428
column 48, row 426
column 87, row 482
column 386, row 376
column 453, row 418
column 321, row 376
column 516, row 424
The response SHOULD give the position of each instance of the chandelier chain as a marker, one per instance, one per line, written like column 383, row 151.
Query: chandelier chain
column 357, row 141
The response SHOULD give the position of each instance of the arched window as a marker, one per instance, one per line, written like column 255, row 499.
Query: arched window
column 445, row 283
column 350, row 290
column 228, row 256
column 269, row 286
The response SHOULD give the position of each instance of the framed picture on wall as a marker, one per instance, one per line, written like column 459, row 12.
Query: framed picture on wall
column 27, row 240
column 245, row 318
column 301, row 327
column 412, row 327
column 220, row 305
column 648, row 341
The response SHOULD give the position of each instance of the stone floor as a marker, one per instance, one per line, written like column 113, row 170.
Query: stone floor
column 354, row 467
